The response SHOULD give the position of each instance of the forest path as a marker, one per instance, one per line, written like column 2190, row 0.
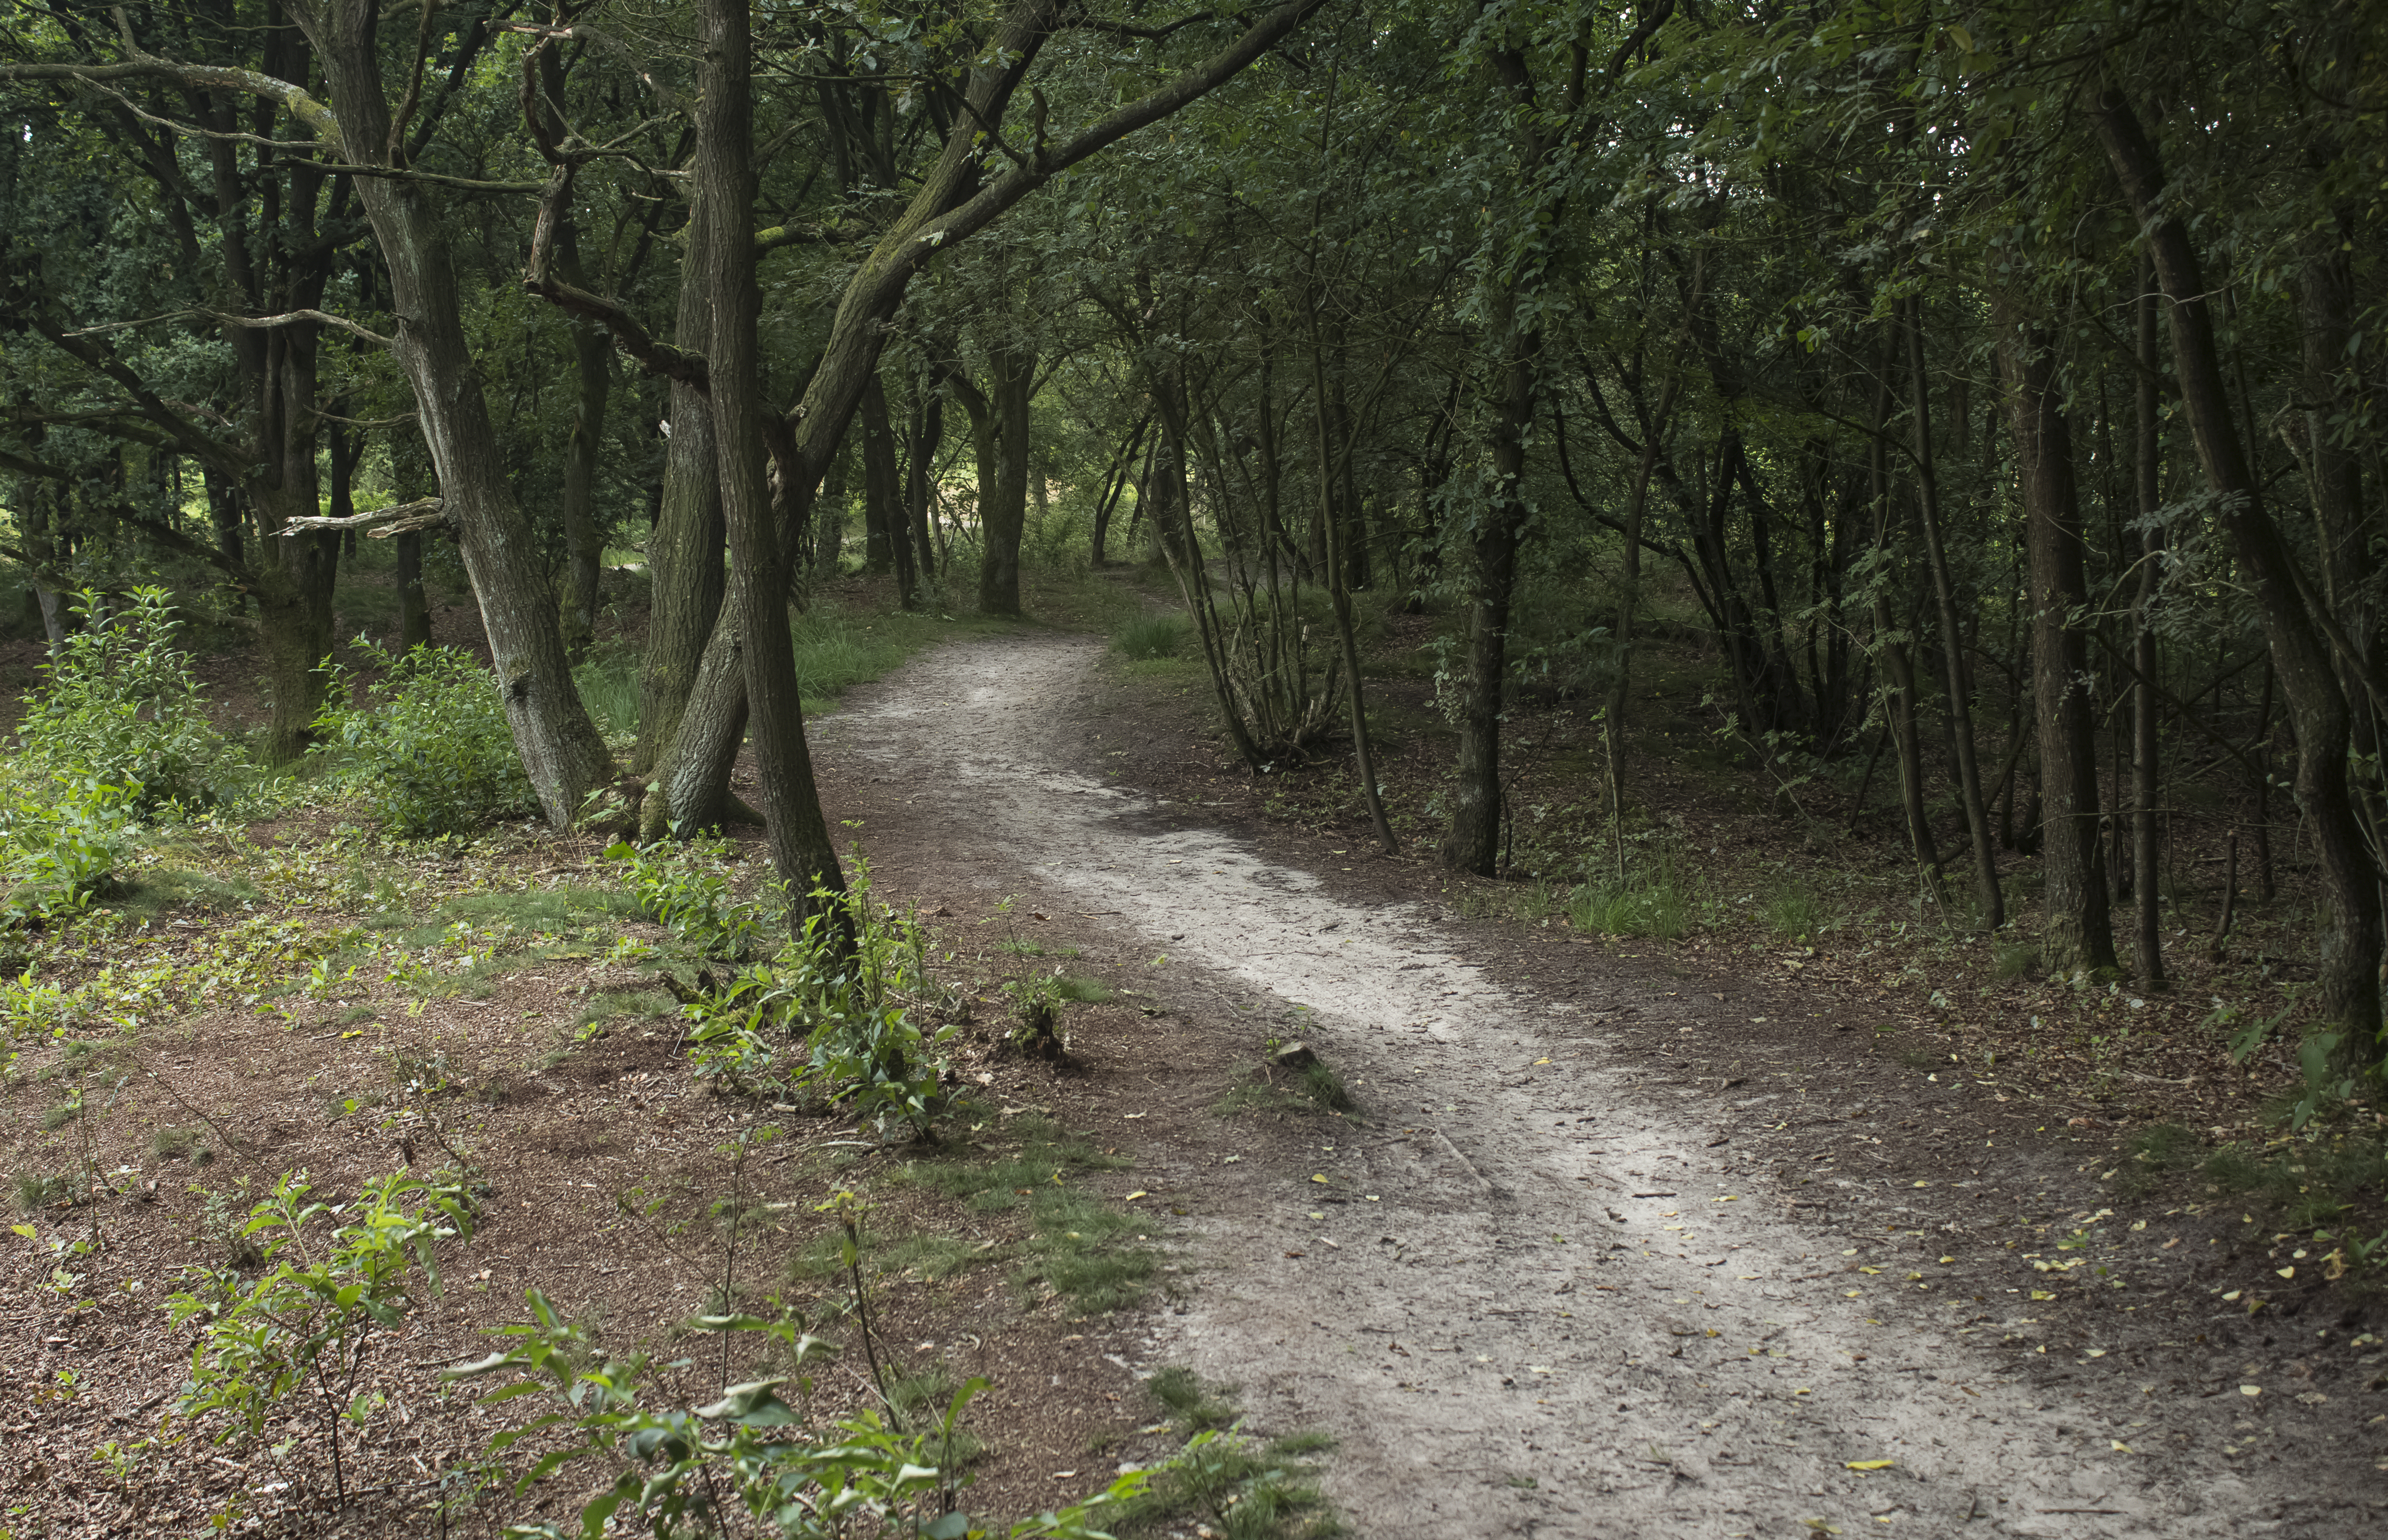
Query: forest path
column 1529, row 1297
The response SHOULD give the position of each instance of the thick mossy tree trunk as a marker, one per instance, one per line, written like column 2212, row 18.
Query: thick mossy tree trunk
column 2318, row 705
column 2077, row 932
column 562, row 751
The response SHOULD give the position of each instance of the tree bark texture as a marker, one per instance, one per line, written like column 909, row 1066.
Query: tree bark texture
column 2147, row 465
column 1952, row 636
column 583, row 543
column 2076, row 930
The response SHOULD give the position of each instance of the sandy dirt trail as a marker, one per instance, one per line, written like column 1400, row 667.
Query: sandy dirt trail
column 1528, row 1298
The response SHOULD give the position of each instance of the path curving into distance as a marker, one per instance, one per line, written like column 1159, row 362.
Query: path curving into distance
column 1543, row 1306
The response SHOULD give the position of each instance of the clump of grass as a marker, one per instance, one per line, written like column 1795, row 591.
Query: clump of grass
column 1086, row 991
column 1189, row 1403
column 1144, row 639
column 609, row 687
column 1655, row 900
column 1085, row 1251
column 1794, row 913
column 994, row 1186
column 1224, row 1483
column 40, row 1189
column 174, row 1143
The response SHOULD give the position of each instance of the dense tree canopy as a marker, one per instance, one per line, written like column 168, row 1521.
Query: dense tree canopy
column 2000, row 380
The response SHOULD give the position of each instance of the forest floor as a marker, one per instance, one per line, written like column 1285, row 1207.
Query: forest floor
column 1729, row 1236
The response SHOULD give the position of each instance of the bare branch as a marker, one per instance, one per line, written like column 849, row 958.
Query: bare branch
column 253, row 322
column 422, row 513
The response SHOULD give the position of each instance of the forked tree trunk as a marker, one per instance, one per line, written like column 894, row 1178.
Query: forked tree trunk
column 2076, row 930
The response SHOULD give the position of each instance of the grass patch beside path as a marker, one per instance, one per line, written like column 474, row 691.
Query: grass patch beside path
column 1082, row 1247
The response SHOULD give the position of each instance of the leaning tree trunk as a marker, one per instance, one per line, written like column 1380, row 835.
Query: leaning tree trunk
column 2351, row 945
column 561, row 749
column 2077, row 931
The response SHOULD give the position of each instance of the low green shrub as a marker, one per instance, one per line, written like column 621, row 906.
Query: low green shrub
column 684, row 887
column 59, row 852
column 305, row 1327
column 122, row 707
column 431, row 746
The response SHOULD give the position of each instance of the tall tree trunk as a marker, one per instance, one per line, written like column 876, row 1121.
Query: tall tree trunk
column 561, row 749
column 583, row 543
column 1898, row 662
column 2351, row 946
column 1473, row 842
column 883, row 490
column 802, row 852
column 2146, row 748
column 1628, row 598
column 925, row 431
column 1003, row 506
column 2076, row 934
column 1953, row 635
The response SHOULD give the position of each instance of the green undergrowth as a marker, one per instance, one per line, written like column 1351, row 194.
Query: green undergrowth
column 1228, row 1483
column 2326, row 1185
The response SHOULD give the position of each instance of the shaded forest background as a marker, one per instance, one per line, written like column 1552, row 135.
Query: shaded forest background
column 1952, row 425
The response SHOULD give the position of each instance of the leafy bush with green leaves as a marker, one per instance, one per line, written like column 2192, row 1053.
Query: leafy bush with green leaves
column 59, row 852
column 122, row 707
column 684, row 887
column 431, row 745
column 692, row 1472
column 307, row 1323
column 847, row 987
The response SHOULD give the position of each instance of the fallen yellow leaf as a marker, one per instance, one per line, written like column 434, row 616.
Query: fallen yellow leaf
column 1319, row 1179
column 1132, row 1196
column 2120, row 1447
column 1869, row 1464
